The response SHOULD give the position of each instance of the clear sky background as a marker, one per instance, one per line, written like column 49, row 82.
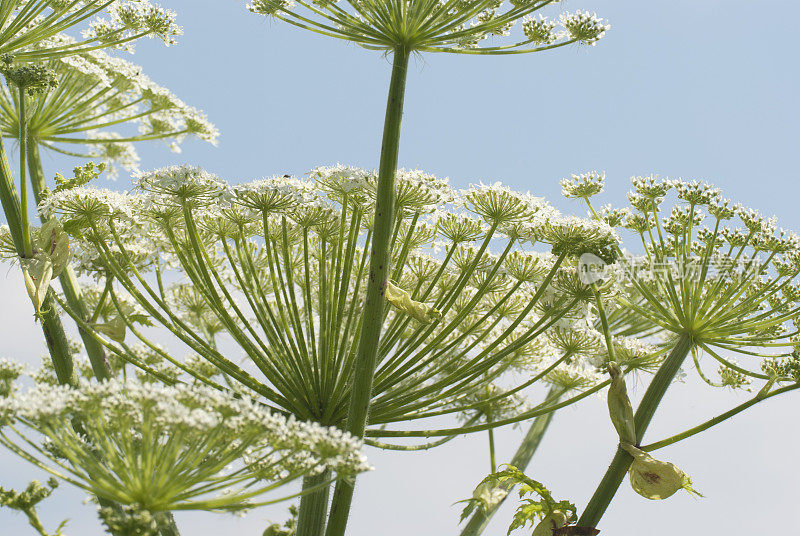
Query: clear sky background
column 705, row 90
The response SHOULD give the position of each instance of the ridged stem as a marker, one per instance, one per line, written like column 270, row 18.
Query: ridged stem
column 379, row 271
column 644, row 413
column 313, row 506
column 521, row 459
column 27, row 247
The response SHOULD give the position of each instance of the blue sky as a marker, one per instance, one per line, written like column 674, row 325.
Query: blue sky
column 680, row 88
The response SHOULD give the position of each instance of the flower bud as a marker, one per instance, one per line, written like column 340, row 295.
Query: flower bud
column 401, row 300
column 654, row 479
column 489, row 494
column 51, row 241
column 619, row 405
column 37, row 273
column 35, row 79
column 549, row 523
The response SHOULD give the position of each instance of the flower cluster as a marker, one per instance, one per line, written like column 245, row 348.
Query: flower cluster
column 583, row 186
column 712, row 270
column 9, row 372
column 130, row 20
column 27, row 501
column 279, row 266
column 118, row 23
column 164, row 448
column 445, row 27
column 94, row 95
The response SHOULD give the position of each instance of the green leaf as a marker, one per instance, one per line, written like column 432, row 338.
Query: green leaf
column 537, row 501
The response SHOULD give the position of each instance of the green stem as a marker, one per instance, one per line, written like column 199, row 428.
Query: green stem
column 35, row 522
column 718, row 419
column 69, row 283
column 56, row 339
column 379, row 270
column 521, row 459
column 313, row 506
column 27, row 247
column 622, row 460
column 57, row 342
column 10, row 200
column 492, row 456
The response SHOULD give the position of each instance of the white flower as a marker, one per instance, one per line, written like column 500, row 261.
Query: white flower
column 585, row 27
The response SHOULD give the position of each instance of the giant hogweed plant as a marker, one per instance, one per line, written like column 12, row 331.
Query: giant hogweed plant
column 279, row 267
column 195, row 217
column 402, row 28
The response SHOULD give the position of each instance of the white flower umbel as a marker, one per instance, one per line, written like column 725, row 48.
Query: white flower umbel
column 279, row 266
column 730, row 287
column 101, row 105
column 718, row 279
column 427, row 26
column 111, row 23
column 169, row 447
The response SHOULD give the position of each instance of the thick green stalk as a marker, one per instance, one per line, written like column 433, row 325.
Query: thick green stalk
column 27, row 247
column 69, row 283
column 57, row 342
column 9, row 198
column 313, row 506
column 644, row 413
column 480, row 519
column 379, row 271
column 56, row 339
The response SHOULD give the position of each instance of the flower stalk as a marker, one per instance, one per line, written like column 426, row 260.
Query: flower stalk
column 53, row 330
column 379, row 270
column 27, row 248
column 314, row 505
column 608, row 486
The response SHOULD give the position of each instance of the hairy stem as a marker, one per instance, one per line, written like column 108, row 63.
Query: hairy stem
column 27, row 248
column 313, row 506
column 644, row 413
column 521, row 459
column 379, row 271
